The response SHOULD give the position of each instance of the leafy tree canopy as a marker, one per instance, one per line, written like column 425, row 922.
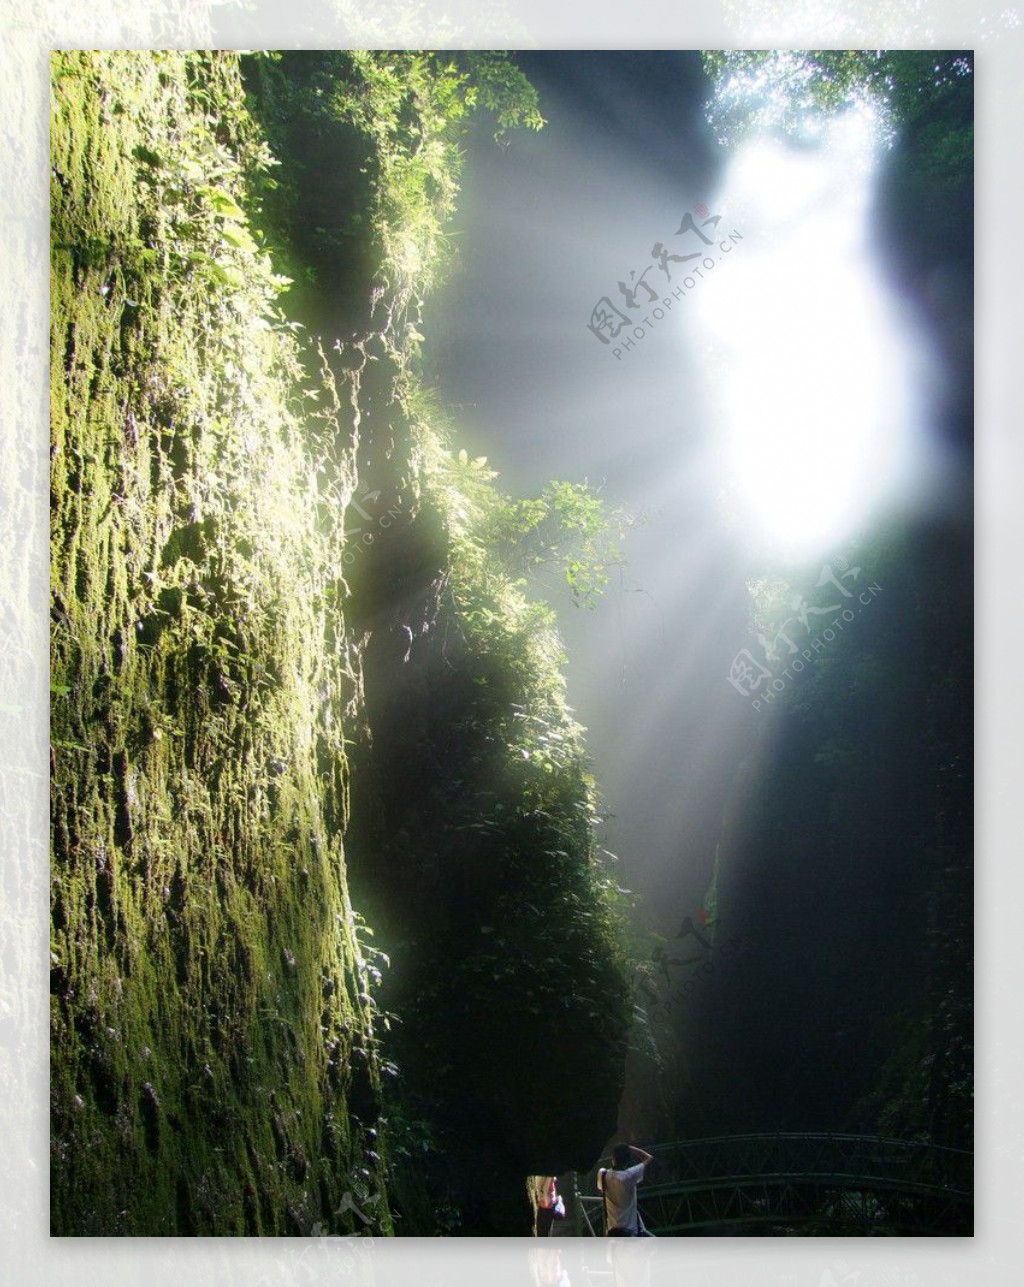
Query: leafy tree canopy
column 794, row 92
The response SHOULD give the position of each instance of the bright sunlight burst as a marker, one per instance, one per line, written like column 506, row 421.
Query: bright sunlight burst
column 810, row 361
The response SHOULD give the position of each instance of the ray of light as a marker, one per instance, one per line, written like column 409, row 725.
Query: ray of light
column 811, row 365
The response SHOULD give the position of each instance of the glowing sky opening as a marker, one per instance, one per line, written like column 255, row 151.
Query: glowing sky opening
column 809, row 364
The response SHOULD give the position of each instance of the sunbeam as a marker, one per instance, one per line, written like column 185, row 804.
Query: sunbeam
column 809, row 362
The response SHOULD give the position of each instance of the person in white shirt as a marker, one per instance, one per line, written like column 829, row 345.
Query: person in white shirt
column 618, row 1184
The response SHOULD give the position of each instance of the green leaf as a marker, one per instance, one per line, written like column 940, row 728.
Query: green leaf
column 236, row 236
column 224, row 204
column 227, row 275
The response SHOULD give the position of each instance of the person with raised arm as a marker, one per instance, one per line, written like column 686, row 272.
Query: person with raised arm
column 618, row 1184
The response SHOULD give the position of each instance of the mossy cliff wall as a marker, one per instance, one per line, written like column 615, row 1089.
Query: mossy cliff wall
column 214, row 1064
column 266, row 727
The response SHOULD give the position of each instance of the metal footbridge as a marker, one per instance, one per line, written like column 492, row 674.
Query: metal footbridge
column 800, row 1184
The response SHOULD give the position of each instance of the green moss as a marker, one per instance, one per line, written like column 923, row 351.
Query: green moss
column 208, row 985
column 220, row 652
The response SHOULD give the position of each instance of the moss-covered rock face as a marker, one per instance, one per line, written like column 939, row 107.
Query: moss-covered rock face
column 284, row 659
column 214, row 1057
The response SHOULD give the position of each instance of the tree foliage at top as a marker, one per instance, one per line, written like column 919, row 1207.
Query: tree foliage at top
column 793, row 92
column 371, row 148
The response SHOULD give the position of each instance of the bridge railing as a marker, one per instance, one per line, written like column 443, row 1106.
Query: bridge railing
column 836, row 1162
column 729, row 1157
